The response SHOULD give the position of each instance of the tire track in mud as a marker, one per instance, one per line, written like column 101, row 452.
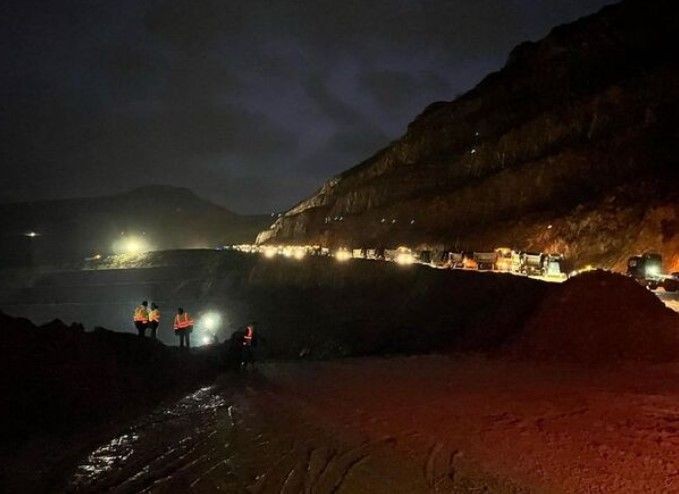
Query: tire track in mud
column 250, row 438
column 164, row 444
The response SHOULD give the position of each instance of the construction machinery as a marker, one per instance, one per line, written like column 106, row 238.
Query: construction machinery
column 453, row 260
column 532, row 263
column 541, row 264
column 647, row 269
column 553, row 266
column 508, row 260
column 485, row 261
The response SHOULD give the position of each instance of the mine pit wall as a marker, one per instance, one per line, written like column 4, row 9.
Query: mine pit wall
column 315, row 307
column 578, row 131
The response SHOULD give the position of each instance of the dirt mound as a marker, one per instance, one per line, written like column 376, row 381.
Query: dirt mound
column 600, row 317
column 61, row 379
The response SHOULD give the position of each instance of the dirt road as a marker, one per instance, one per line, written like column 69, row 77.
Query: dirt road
column 420, row 424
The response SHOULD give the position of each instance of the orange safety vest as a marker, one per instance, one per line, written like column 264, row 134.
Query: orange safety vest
column 182, row 321
column 154, row 315
column 247, row 338
column 141, row 314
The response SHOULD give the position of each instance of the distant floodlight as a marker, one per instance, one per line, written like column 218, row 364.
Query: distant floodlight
column 133, row 245
column 32, row 234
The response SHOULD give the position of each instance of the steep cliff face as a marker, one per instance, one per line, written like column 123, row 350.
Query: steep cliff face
column 573, row 146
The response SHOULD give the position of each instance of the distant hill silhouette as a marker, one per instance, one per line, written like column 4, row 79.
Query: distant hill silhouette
column 164, row 217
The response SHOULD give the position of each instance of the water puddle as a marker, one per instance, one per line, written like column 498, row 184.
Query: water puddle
column 157, row 441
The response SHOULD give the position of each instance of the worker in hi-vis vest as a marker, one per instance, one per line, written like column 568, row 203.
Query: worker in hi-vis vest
column 154, row 320
column 141, row 318
column 183, row 326
column 247, row 352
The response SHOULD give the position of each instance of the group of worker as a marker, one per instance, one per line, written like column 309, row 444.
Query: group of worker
column 241, row 342
column 150, row 319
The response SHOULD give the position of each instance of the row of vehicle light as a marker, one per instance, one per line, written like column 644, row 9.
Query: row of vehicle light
column 403, row 255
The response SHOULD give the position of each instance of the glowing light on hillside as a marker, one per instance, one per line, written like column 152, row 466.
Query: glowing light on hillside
column 134, row 245
column 131, row 244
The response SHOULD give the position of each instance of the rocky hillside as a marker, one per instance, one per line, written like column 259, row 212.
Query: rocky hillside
column 572, row 147
column 163, row 217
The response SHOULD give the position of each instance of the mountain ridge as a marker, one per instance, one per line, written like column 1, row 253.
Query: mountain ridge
column 168, row 217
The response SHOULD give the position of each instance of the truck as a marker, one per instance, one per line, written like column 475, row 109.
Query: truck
column 454, row 260
column 508, row 260
column 485, row 261
column 648, row 271
column 532, row 263
column 553, row 266
column 542, row 264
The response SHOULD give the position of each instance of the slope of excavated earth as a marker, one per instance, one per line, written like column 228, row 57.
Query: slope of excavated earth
column 316, row 307
column 320, row 308
column 571, row 147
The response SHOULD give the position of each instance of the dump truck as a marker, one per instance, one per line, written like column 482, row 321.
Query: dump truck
column 542, row 264
column 485, row 261
column 647, row 270
column 553, row 266
column 532, row 263
column 453, row 260
column 508, row 260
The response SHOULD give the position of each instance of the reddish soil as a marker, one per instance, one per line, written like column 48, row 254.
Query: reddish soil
column 405, row 424
column 601, row 318
column 511, row 426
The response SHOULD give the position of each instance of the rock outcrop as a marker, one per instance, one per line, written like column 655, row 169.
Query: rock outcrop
column 572, row 146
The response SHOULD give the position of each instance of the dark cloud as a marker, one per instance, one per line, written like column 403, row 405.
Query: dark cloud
column 351, row 140
column 239, row 100
column 393, row 89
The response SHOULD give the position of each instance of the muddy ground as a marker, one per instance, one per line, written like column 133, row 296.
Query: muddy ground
column 417, row 424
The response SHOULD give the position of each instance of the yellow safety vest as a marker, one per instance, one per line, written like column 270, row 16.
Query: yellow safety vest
column 154, row 315
column 141, row 314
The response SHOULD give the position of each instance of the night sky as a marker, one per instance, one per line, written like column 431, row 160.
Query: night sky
column 251, row 104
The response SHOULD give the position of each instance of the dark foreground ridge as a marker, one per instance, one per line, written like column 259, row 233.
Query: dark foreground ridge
column 60, row 381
